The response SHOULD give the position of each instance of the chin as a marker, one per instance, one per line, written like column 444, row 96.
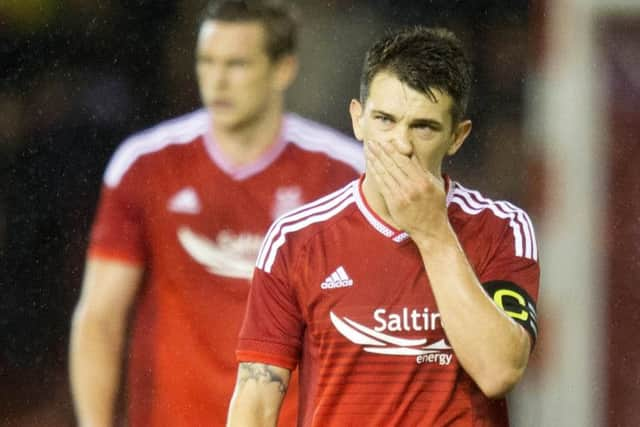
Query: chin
column 225, row 121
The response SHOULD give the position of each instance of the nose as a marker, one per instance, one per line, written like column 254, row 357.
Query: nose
column 401, row 140
column 218, row 77
column 213, row 76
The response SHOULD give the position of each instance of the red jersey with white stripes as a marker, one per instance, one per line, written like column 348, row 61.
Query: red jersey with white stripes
column 344, row 296
column 173, row 204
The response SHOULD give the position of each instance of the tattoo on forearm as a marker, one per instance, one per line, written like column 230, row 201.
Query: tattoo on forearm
column 262, row 373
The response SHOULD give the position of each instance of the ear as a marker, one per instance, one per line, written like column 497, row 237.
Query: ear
column 460, row 134
column 356, row 110
column 286, row 70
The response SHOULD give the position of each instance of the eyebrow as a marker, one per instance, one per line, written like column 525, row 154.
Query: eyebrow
column 416, row 122
column 428, row 122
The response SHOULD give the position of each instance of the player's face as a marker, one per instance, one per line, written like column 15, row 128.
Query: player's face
column 411, row 121
column 238, row 81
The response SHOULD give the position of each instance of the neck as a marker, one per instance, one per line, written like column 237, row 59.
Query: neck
column 245, row 143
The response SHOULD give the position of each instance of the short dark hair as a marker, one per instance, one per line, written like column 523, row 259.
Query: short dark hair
column 424, row 59
column 278, row 21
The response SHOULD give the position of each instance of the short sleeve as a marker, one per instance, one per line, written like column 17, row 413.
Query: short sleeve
column 512, row 275
column 515, row 258
column 118, row 227
column 273, row 325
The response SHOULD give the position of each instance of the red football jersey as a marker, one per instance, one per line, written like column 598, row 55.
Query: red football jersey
column 172, row 203
column 344, row 296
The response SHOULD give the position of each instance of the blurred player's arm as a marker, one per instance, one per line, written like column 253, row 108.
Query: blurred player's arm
column 258, row 395
column 98, row 332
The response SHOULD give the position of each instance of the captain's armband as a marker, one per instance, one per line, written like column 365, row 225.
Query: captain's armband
column 516, row 303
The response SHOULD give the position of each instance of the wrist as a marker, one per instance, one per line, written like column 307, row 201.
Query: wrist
column 437, row 237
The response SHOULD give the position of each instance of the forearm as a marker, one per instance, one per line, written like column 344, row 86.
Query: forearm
column 258, row 395
column 95, row 360
column 491, row 347
column 246, row 411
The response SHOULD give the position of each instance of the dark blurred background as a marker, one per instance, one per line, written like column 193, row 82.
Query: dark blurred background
column 77, row 76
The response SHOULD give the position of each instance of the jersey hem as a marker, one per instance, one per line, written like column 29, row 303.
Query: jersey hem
column 269, row 359
column 109, row 255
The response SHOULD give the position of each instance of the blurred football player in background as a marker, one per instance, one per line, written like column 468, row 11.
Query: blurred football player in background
column 184, row 208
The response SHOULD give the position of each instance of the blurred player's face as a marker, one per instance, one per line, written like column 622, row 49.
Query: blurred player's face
column 238, row 81
column 409, row 120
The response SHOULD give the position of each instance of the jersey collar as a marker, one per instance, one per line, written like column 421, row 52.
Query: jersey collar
column 379, row 224
column 242, row 172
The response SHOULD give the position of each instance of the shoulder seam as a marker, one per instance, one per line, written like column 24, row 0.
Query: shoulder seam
column 320, row 210
column 473, row 203
column 181, row 130
column 316, row 137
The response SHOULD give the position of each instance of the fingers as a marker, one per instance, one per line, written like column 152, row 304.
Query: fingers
column 378, row 171
column 396, row 164
column 436, row 181
column 398, row 175
column 398, row 171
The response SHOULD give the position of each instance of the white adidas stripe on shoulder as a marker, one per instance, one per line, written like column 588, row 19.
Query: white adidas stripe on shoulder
column 318, row 211
column 180, row 130
column 313, row 136
column 472, row 202
column 294, row 214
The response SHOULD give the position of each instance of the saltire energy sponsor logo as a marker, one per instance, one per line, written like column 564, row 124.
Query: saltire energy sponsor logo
column 230, row 255
column 375, row 340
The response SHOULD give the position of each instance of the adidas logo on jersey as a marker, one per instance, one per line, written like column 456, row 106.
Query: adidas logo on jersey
column 337, row 279
column 185, row 201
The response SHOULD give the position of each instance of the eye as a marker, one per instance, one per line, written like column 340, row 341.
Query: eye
column 238, row 63
column 385, row 120
column 425, row 130
column 204, row 60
